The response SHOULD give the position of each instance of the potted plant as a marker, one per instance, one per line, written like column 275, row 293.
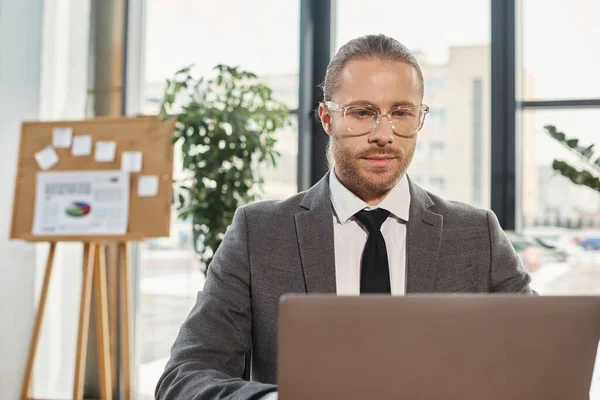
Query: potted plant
column 226, row 127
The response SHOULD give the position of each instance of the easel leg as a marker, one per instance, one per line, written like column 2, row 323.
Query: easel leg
column 125, row 304
column 102, row 335
column 84, row 320
column 39, row 317
column 113, row 307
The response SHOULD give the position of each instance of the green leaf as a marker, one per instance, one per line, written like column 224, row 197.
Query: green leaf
column 572, row 143
column 588, row 152
column 162, row 114
column 579, row 177
column 554, row 133
column 184, row 70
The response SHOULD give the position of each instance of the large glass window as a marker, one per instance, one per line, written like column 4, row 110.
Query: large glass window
column 453, row 47
column 259, row 36
column 560, row 59
column 560, row 221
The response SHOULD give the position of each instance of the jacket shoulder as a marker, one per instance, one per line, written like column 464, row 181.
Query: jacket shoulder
column 274, row 208
column 459, row 213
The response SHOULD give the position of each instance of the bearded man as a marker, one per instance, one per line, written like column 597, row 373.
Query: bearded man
column 364, row 228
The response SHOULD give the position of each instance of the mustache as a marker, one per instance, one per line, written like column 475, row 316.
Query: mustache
column 367, row 153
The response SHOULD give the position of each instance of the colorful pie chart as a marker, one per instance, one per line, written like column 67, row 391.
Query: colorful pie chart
column 78, row 209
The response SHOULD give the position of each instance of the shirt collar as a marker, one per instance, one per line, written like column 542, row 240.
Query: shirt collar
column 346, row 204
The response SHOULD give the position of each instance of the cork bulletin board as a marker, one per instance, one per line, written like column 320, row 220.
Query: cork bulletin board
column 149, row 215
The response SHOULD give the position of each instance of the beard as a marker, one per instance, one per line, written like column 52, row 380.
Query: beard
column 359, row 176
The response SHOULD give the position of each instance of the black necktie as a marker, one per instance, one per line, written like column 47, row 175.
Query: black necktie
column 375, row 271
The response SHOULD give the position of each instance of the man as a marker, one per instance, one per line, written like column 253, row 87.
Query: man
column 364, row 228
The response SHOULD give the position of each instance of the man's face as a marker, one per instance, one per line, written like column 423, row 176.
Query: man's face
column 372, row 163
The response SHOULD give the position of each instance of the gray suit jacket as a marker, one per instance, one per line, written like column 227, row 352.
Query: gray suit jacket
column 273, row 248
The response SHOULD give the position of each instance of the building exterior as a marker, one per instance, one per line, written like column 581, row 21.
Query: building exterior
column 453, row 150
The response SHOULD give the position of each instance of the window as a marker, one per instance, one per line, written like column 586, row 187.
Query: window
column 453, row 49
column 189, row 32
column 280, row 181
column 435, row 85
column 421, row 151
column 437, row 184
column 479, row 149
column 563, row 218
column 437, row 151
column 418, row 179
column 559, row 218
column 437, row 116
column 550, row 30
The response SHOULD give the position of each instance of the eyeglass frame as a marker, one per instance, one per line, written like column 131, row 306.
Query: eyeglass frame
column 333, row 106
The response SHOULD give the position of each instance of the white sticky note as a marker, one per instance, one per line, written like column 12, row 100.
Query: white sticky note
column 131, row 161
column 147, row 185
column 47, row 157
column 61, row 137
column 82, row 146
column 105, row 151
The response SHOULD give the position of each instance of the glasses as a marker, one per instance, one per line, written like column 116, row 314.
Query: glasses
column 360, row 119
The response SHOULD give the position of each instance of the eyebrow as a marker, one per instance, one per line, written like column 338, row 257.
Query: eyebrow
column 394, row 104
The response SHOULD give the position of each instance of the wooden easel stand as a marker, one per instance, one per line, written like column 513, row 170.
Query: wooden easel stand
column 94, row 274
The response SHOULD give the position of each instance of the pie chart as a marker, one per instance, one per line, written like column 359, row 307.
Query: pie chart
column 78, row 209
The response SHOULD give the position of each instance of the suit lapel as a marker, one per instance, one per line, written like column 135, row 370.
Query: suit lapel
column 423, row 239
column 314, row 230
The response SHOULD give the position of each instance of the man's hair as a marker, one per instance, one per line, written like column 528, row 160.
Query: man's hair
column 367, row 47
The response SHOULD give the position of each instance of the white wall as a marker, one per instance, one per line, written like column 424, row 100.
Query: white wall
column 20, row 45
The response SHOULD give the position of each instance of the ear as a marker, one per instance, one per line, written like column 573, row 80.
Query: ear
column 325, row 118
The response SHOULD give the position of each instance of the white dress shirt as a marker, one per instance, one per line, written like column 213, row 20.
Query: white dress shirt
column 350, row 236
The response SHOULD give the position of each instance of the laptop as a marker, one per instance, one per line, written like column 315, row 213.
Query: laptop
column 426, row 347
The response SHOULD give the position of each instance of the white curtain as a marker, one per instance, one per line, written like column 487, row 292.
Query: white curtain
column 63, row 93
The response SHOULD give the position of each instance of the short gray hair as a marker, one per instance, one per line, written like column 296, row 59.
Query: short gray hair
column 365, row 48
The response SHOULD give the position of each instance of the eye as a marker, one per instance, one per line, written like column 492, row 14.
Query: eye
column 402, row 113
column 361, row 112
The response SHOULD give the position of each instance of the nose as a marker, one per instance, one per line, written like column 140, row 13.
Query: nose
column 382, row 133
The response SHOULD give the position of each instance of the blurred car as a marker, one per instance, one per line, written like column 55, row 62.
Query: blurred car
column 532, row 253
column 549, row 235
column 564, row 241
column 592, row 243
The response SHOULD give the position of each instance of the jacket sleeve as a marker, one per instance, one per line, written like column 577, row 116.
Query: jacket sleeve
column 207, row 358
column 507, row 272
